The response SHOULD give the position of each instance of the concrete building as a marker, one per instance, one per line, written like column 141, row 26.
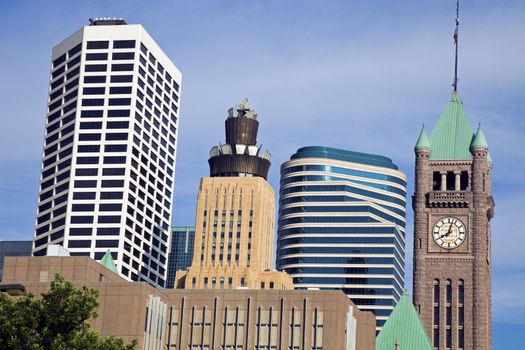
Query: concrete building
column 108, row 158
column 342, row 226
column 13, row 248
column 453, row 207
column 181, row 251
column 234, row 227
column 203, row 319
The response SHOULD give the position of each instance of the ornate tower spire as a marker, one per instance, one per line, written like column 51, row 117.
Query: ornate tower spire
column 240, row 156
column 456, row 33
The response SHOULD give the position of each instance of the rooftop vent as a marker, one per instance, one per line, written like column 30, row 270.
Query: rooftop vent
column 106, row 21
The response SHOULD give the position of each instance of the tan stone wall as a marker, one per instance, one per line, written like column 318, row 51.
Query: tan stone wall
column 123, row 307
column 222, row 199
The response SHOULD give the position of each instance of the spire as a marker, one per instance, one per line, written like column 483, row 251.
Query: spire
column 456, row 34
column 403, row 329
column 479, row 140
column 422, row 141
column 451, row 136
column 108, row 262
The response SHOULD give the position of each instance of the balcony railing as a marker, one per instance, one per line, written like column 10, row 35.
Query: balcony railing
column 449, row 198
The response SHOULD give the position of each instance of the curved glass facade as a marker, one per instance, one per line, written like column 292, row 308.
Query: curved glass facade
column 342, row 226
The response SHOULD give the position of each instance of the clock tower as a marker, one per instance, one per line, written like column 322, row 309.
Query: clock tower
column 453, row 206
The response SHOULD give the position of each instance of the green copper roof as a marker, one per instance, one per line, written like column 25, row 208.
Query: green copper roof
column 423, row 141
column 479, row 140
column 450, row 139
column 404, row 327
column 108, row 262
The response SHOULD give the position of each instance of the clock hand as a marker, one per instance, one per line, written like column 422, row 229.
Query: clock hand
column 449, row 231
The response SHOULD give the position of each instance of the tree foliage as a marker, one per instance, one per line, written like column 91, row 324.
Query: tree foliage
column 57, row 321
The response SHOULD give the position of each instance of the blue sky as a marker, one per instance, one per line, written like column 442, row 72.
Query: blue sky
column 358, row 75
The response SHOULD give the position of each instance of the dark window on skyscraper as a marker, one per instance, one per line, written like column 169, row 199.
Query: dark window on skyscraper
column 80, row 231
column 59, row 60
column 83, row 207
column 102, row 56
column 121, row 78
column 111, row 183
column 95, row 68
column 111, row 195
column 82, row 219
column 123, row 55
column 87, row 160
column 119, row 101
column 90, row 125
column 92, row 102
column 109, row 219
column 79, row 244
column 120, row 67
column 116, row 136
column 88, row 148
column 124, row 44
column 114, row 160
column 93, row 79
column 89, row 137
column 115, row 113
column 84, row 195
column 94, row 91
column 97, row 44
column 91, row 114
column 73, row 62
column 72, row 85
column 74, row 50
column 86, row 172
column 72, row 73
column 117, row 125
column 120, row 90
column 115, row 148
column 85, row 183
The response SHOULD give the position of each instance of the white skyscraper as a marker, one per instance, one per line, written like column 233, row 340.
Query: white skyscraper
column 108, row 160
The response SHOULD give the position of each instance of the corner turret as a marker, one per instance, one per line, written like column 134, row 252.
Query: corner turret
column 423, row 142
column 479, row 141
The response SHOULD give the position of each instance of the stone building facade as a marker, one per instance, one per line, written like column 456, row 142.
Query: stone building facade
column 453, row 206
column 162, row 319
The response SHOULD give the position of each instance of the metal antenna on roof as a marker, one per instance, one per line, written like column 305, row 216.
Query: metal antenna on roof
column 456, row 32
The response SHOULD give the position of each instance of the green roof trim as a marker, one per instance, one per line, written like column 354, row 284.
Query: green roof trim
column 422, row 141
column 108, row 262
column 451, row 136
column 479, row 140
column 404, row 328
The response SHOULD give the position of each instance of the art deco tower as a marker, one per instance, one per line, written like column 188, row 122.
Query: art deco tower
column 234, row 227
column 453, row 206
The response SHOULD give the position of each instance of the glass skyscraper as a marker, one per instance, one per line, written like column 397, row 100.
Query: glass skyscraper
column 13, row 248
column 108, row 160
column 181, row 251
column 342, row 226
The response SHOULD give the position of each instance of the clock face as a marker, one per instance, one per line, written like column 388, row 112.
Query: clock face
column 449, row 233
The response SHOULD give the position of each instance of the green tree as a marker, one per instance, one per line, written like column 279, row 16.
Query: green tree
column 57, row 321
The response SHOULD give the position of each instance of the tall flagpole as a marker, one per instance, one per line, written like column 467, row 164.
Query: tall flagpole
column 456, row 32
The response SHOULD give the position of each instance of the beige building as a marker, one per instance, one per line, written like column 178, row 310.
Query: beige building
column 235, row 218
column 162, row 319
column 234, row 237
